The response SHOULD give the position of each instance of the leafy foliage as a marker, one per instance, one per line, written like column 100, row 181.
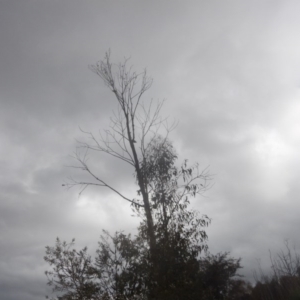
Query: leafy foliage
column 218, row 272
column 73, row 272
column 122, row 270
column 169, row 188
column 120, row 262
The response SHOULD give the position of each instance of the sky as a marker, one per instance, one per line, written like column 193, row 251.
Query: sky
column 230, row 74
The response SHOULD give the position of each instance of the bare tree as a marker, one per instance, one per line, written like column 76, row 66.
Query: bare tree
column 134, row 138
column 286, row 262
column 284, row 280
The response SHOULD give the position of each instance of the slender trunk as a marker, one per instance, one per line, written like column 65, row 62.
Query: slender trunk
column 141, row 183
column 149, row 218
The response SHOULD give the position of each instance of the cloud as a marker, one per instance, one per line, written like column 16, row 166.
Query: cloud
column 230, row 74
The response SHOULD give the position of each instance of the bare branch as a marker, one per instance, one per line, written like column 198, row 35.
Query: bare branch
column 84, row 184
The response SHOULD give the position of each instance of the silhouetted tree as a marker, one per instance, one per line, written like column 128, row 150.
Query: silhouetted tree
column 73, row 272
column 117, row 272
column 134, row 138
column 166, row 259
column 217, row 274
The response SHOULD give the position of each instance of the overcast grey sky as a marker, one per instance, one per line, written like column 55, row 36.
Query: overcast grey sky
column 230, row 71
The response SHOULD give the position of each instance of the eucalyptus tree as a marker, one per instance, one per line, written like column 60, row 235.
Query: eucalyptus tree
column 135, row 137
column 163, row 261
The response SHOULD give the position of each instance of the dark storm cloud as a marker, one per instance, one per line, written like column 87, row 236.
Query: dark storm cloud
column 230, row 73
